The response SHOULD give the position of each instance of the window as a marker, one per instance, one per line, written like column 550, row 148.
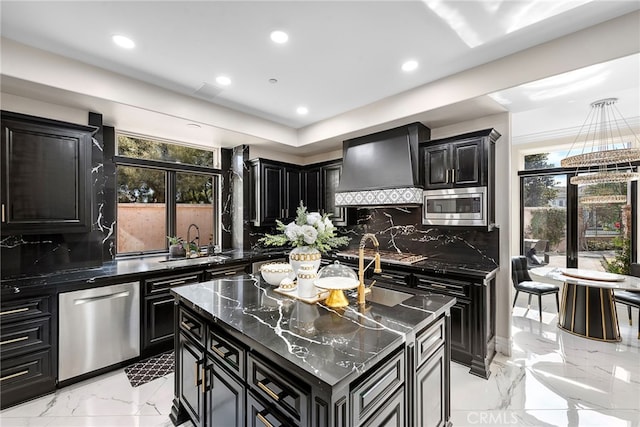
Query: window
column 163, row 188
column 567, row 226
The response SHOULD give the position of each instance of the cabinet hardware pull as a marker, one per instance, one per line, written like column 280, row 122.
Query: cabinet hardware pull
column 230, row 273
column 195, row 373
column 268, row 391
column 218, row 352
column 179, row 282
column 188, row 326
column 17, row 374
column 446, row 176
column 204, row 380
column 17, row 310
column 435, row 285
column 263, row 420
column 3, row 212
column 26, row 337
column 453, row 176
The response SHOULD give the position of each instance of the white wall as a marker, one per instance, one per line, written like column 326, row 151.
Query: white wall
column 504, row 214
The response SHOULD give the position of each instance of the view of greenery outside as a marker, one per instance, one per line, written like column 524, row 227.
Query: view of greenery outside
column 140, row 148
column 142, row 195
column 603, row 237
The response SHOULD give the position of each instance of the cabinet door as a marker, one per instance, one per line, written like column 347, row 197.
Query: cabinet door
column 271, row 200
column 158, row 319
column 391, row 414
column 312, row 194
column 225, row 398
column 430, row 392
column 467, row 161
column 293, row 193
column 191, row 376
column 46, row 177
column 461, row 331
column 330, row 180
column 436, row 166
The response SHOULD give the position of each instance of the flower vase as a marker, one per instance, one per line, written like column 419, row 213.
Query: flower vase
column 304, row 255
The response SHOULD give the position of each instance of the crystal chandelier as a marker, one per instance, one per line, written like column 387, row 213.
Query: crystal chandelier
column 604, row 149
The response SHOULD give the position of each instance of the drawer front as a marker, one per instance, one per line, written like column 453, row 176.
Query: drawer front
column 370, row 394
column 24, row 309
column 221, row 273
column 456, row 289
column 282, row 390
column 260, row 415
column 21, row 337
column 228, row 352
column 392, row 277
column 429, row 340
column 191, row 325
column 25, row 377
column 162, row 284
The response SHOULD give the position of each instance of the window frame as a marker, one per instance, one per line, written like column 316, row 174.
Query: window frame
column 170, row 169
column 572, row 209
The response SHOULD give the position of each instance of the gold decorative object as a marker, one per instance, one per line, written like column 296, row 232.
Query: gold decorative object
column 604, row 148
column 604, row 199
column 336, row 278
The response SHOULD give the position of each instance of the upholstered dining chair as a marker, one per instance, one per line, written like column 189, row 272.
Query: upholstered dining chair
column 523, row 283
column 630, row 298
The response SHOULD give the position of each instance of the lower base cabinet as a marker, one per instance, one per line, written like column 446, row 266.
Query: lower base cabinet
column 221, row 381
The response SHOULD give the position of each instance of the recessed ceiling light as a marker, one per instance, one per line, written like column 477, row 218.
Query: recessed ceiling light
column 302, row 110
column 410, row 65
column 123, row 41
column 279, row 36
column 273, row 81
column 223, row 80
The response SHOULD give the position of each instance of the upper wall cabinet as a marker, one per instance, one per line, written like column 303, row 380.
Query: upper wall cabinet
column 461, row 161
column 277, row 189
column 46, row 175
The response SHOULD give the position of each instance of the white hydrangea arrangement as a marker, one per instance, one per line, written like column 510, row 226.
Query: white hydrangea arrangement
column 309, row 229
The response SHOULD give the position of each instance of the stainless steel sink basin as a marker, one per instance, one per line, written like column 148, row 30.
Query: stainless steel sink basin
column 387, row 297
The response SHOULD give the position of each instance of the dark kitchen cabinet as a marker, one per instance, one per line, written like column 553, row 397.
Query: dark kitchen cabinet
column 27, row 358
column 330, row 181
column 46, row 175
column 277, row 189
column 472, row 318
column 312, row 189
column 158, row 317
column 461, row 161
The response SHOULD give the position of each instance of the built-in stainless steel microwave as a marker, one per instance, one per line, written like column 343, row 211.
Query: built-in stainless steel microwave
column 455, row 206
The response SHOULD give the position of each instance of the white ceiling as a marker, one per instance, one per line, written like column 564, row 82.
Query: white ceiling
column 341, row 55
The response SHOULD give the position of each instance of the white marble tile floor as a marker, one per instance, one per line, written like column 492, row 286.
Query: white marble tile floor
column 552, row 379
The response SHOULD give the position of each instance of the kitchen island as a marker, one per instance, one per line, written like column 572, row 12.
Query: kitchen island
column 245, row 353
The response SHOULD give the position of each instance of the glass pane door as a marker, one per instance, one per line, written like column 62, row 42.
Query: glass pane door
column 603, row 226
column 545, row 220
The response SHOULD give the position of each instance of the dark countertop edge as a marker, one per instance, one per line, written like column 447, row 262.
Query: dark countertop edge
column 107, row 273
column 352, row 375
column 426, row 267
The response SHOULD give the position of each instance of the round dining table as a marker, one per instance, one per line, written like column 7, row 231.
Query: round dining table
column 587, row 304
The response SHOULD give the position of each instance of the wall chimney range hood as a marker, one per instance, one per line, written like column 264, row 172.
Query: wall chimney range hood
column 381, row 169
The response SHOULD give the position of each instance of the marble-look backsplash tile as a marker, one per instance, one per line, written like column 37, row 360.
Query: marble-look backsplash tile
column 401, row 230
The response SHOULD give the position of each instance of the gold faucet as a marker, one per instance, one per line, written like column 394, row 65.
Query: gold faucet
column 361, row 268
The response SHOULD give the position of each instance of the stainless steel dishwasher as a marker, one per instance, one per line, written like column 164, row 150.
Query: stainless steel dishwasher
column 99, row 327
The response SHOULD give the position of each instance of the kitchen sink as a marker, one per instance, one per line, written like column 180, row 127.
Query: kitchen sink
column 387, row 297
column 213, row 258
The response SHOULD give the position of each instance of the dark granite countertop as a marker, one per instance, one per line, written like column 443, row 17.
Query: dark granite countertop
column 130, row 267
column 333, row 345
column 479, row 270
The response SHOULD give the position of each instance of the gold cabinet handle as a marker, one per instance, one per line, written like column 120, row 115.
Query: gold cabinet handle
column 26, row 337
column 17, row 310
column 3, row 218
column 17, row 374
column 218, row 352
column 204, row 380
column 263, row 420
column 453, row 176
column 268, row 391
column 187, row 326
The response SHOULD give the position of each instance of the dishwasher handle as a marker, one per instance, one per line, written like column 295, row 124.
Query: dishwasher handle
column 101, row 297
